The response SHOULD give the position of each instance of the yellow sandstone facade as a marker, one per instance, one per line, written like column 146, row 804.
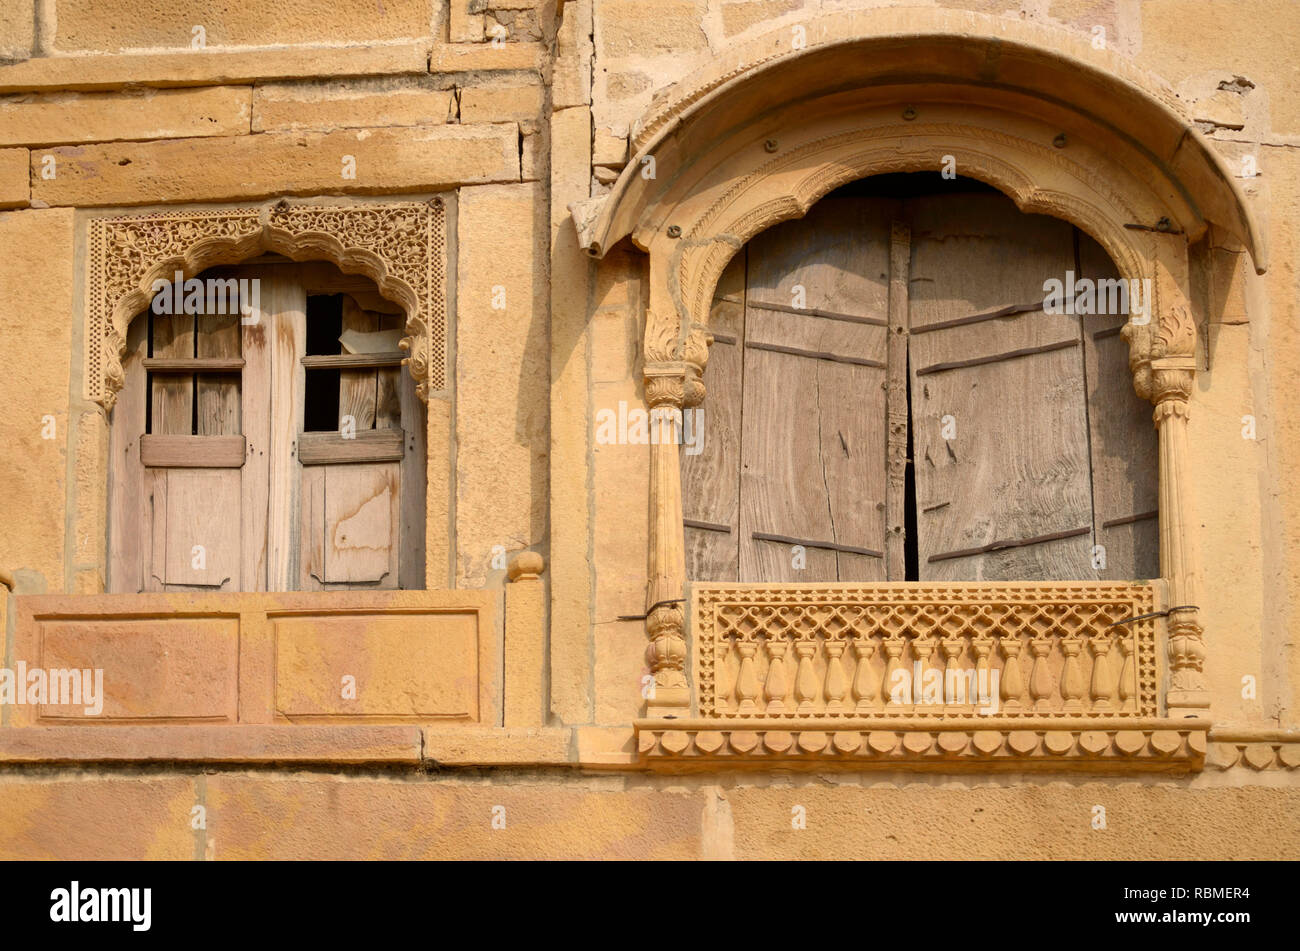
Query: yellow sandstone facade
column 507, row 649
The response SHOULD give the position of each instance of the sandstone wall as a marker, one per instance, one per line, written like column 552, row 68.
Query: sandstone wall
column 514, row 109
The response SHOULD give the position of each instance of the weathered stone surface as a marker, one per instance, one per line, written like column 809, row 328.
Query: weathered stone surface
column 633, row 27
column 501, row 463
column 500, row 103
column 1180, row 39
column 571, row 79
column 1024, row 821
column 62, row 118
column 37, row 272
column 739, row 16
column 526, row 702
column 362, row 743
column 476, row 57
column 425, row 158
column 165, row 668
column 508, row 747
column 214, row 67
column 320, row 817
column 608, row 148
column 15, row 191
column 404, row 665
column 98, row 817
column 572, row 581
column 17, row 29
column 111, row 25
column 347, row 104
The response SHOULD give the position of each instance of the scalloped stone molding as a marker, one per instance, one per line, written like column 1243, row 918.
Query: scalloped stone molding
column 1107, row 745
column 1257, row 750
column 401, row 246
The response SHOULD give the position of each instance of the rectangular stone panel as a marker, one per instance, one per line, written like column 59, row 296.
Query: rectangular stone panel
column 416, row 664
column 176, row 668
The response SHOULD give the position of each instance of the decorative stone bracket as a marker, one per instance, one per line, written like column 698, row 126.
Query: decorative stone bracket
column 401, row 246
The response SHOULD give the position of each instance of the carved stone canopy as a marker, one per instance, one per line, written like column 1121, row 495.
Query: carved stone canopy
column 761, row 134
column 399, row 245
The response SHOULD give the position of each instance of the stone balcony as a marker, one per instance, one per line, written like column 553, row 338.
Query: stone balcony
column 993, row 675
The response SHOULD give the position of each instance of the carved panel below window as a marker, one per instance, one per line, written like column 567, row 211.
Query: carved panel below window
column 1023, row 650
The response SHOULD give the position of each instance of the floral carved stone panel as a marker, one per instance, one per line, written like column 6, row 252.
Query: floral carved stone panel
column 401, row 246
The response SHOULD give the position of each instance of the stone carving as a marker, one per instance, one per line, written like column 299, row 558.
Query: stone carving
column 1009, row 650
column 1156, row 745
column 399, row 245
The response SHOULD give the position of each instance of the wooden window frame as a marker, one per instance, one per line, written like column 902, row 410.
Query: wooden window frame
column 405, row 247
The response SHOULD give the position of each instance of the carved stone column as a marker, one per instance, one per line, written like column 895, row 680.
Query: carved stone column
column 1187, row 694
column 670, row 387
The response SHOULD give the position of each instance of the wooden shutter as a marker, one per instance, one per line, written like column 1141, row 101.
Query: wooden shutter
column 711, row 477
column 363, row 483
column 808, row 388
column 1123, row 441
column 1029, row 446
column 179, row 514
column 1000, row 429
column 227, row 466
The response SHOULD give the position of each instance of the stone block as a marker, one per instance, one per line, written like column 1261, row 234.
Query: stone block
column 107, row 26
column 348, row 104
column 68, row 118
column 426, row 158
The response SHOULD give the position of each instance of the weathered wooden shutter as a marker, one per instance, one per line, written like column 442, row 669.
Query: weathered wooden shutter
column 363, row 482
column 803, row 368
column 999, row 411
column 1029, row 446
column 226, row 491
column 711, row 477
column 1123, row 441
column 178, row 518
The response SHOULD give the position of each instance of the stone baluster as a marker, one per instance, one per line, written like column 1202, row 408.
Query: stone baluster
column 894, row 645
column 1012, row 686
column 864, row 685
column 805, row 678
column 836, row 681
column 1102, row 685
column 1072, row 683
column 952, row 647
column 746, row 689
column 982, row 645
column 923, row 649
column 1127, row 678
column 1040, row 677
column 776, row 687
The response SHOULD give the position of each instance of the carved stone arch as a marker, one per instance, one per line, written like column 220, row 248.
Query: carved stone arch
column 399, row 245
column 756, row 202
column 1061, row 129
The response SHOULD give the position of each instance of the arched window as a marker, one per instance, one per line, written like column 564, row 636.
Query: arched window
column 889, row 399
column 266, row 437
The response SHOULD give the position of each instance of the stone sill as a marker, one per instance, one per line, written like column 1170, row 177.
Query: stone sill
column 657, row 744
column 288, row 744
column 968, row 744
